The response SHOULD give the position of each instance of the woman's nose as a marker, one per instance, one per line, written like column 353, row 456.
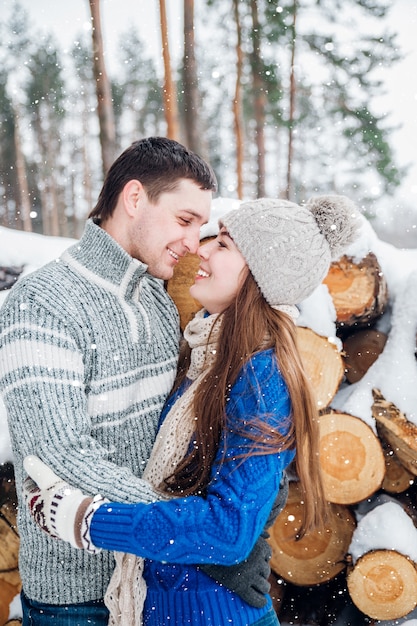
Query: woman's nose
column 204, row 250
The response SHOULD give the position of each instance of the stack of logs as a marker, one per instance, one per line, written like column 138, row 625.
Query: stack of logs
column 356, row 463
column 10, row 584
column 314, row 577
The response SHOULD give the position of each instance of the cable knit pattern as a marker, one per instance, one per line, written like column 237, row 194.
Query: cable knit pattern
column 289, row 247
column 126, row 593
column 223, row 527
column 88, row 354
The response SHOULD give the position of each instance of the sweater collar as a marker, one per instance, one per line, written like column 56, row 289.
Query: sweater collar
column 101, row 254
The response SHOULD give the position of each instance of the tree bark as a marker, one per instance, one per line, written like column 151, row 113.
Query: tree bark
column 237, row 104
column 170, row 91
column 21, row 174
column 103, row 91
column 259, row 100
column 292, row 107
column 360, row 351
column 192, row 100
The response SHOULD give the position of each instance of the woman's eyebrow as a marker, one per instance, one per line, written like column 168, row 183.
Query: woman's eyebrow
column 224, row 233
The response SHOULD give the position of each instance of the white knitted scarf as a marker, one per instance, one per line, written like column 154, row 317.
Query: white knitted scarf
column 126, row 592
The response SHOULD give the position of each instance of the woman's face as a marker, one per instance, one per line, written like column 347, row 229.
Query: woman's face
column 221, row 273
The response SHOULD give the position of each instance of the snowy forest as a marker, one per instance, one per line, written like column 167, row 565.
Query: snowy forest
column 281, row 97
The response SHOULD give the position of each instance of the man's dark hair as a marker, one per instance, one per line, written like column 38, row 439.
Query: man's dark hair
column 158, row 163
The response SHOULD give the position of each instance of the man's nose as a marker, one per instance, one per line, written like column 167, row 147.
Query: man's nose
column 192, row 241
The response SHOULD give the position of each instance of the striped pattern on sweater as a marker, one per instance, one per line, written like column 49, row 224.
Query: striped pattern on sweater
column 88, row 353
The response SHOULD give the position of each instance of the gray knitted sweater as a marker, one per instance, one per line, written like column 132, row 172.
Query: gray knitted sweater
column 88, row 354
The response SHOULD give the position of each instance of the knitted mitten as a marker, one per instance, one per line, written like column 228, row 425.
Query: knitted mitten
column 60, row 510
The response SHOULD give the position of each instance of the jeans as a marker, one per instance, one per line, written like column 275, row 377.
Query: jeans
column 93, row 613
column 270, row 619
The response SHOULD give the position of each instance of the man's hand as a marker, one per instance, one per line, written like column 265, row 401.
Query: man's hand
column 60, row 510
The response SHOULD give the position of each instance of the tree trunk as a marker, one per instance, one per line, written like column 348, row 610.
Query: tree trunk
column 237, row 104
column 170, row 92
column 317, row 557
column 103, row 91
column 192, row 100
column 21, row 174
column 292, row 106
column 383, row 584
column 358, row 290
column 351, row 458
column 259, row 100
column 54, row 200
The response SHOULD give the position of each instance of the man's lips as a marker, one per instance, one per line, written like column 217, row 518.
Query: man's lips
column 173, row 254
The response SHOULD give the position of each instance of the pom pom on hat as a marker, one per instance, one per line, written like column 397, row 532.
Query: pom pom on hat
column 336, row 217
column 288, row 247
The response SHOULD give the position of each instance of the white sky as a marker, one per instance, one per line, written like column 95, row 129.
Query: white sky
column 67, row 19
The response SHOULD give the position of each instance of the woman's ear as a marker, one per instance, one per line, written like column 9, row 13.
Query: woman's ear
column 133, row 193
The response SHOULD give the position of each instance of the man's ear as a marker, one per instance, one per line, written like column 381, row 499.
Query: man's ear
column 133, row 192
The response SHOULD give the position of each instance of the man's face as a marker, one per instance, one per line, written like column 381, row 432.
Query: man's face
column 163, row 232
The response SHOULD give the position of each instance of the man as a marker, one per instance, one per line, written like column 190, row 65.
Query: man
column 88, row 355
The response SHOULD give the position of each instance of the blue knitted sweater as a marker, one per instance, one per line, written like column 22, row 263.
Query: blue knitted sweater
column 222, row 528
column 88, row 354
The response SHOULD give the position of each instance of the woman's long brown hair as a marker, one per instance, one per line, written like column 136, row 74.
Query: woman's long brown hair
column 249, row 325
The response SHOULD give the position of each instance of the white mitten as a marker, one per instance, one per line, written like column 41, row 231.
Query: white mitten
column 60, row 510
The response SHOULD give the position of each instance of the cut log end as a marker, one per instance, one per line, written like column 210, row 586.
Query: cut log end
column 383, row 585
column 351, row 458
column 397, row 478
column 319, row 556
column 358, row 290
column 323, row 364
column 397, row 430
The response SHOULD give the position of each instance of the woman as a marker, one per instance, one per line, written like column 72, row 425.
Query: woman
column 241, row 407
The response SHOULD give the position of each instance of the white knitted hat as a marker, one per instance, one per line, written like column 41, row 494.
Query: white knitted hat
column 288, row 247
